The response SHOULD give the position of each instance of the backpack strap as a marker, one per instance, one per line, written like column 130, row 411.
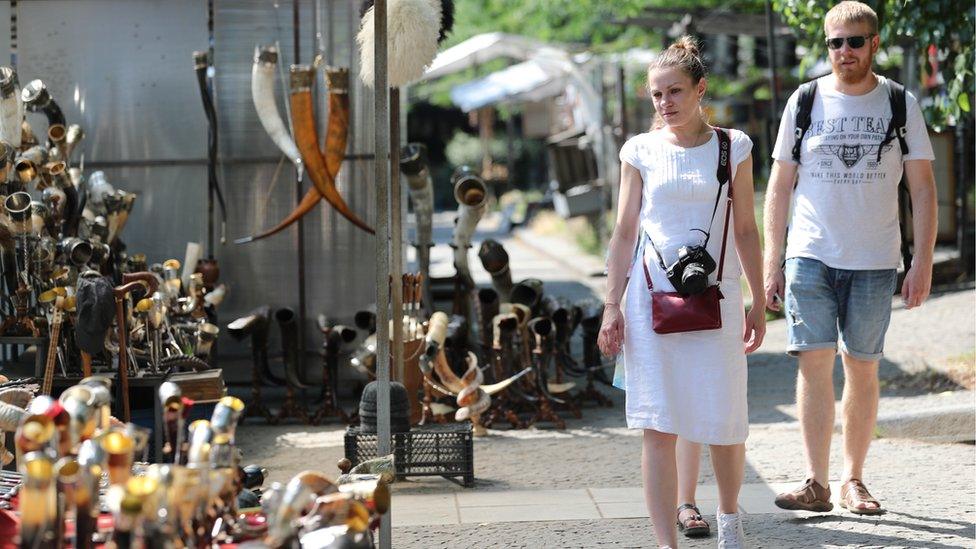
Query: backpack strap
column 804, row 106
column 897, row 128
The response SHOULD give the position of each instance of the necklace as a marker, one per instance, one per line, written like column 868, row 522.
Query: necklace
column 702, row 130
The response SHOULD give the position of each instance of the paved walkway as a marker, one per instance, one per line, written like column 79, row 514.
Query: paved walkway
column 474, row 507
column 579, row 487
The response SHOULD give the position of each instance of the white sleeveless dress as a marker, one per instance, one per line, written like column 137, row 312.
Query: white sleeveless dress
column 691, row 384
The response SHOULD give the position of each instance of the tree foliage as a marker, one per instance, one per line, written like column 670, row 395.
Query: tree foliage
column 946, row 24
column 591, row 24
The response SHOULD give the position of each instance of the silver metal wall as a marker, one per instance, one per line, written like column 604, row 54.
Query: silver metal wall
column 123, row 69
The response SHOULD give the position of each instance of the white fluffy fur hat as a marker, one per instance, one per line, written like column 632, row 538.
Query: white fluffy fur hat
column 412, row 30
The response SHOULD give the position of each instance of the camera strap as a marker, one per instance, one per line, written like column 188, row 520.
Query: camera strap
column 724, row 176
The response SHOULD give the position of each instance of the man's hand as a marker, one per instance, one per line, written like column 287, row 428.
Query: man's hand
column 917, row 285
column 775, row 285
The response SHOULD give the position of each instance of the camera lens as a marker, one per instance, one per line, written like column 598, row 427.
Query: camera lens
column 694, row 280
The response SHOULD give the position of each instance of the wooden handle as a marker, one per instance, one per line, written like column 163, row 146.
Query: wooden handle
column 52, row 347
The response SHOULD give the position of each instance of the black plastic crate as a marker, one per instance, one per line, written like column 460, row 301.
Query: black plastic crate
column 445, row 450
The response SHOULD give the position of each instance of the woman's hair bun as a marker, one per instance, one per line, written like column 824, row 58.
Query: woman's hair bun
column 687, row 43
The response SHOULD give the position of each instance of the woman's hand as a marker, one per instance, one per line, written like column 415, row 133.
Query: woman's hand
column 755, row 327
column 611, row 336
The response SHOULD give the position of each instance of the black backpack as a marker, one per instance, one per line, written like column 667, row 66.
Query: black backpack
column 897, row 129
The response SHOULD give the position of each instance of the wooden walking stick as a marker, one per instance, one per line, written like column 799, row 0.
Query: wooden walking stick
column 130, row 281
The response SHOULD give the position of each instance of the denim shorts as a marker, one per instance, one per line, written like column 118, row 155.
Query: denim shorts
column 823, row 302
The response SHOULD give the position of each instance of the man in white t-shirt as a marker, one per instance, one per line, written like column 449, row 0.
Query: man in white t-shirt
column 843, row 247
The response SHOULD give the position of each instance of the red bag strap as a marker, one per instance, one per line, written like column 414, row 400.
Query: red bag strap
column 724, row 159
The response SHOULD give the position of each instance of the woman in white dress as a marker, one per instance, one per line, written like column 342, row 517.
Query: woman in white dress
column 689, row 384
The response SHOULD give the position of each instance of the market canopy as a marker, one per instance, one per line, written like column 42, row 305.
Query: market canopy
column 532, row 80
column 481, row 49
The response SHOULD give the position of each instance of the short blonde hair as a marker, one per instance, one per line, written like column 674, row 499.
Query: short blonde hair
column 851, row 12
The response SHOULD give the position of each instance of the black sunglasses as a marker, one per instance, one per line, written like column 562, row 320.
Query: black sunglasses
column 854, row 42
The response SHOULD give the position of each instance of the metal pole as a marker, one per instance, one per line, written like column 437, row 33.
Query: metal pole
column 396, row 235
column 210, row 161
column 381, row 116
column 771, row 56
column 299, row 193
column 621, row 85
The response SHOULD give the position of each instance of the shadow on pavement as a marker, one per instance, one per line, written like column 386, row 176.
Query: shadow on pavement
column 832, row 534
column 772, row 383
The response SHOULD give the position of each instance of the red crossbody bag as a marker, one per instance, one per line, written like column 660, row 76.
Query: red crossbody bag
column 672, row 312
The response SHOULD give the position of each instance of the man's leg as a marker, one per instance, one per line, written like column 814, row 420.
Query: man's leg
column 815, row 406
column 860, row 405
column 864, row 317
column 811, row 317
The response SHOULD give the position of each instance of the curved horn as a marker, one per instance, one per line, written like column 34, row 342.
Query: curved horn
column 307, row 139
column 528, row 292
column 263, row 74
column 471, row 195
column 436, row 332
column 494, row 259
column 336, row 138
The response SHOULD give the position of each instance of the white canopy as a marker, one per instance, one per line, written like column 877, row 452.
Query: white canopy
column 480, row 49
column 545, row 71
column 531, row 80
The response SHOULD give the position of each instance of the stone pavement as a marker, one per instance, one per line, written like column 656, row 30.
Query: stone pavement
column 579, row 487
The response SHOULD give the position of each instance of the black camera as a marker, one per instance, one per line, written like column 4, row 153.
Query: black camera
column 689, row 274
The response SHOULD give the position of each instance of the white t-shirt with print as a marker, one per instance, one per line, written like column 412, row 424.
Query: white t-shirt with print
column 845, row 206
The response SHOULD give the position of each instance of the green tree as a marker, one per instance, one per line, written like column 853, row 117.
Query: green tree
column 946, row 24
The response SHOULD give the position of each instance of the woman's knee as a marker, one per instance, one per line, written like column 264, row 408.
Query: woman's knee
column 658, row 440
column 727, row 449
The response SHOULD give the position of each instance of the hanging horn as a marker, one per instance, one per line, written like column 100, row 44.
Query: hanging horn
column 11, row 108
column 263, row 74
column 307, row 139
column 336, row 138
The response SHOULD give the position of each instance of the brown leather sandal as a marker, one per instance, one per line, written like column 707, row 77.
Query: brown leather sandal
column 811, row 496
column 687, row 526
column 853, row 493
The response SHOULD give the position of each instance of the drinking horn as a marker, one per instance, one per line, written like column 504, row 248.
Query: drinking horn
column 471, row 195
column 263, row 74
column 307, row 139
column 201, row 63
column 413, row 164
column 336, row 138
column 494, row 259
column 11, row 108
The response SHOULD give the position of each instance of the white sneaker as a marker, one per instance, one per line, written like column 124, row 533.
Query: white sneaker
column 730, row 533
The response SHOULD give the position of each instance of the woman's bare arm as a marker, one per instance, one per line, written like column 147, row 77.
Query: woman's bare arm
column 625, row 232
